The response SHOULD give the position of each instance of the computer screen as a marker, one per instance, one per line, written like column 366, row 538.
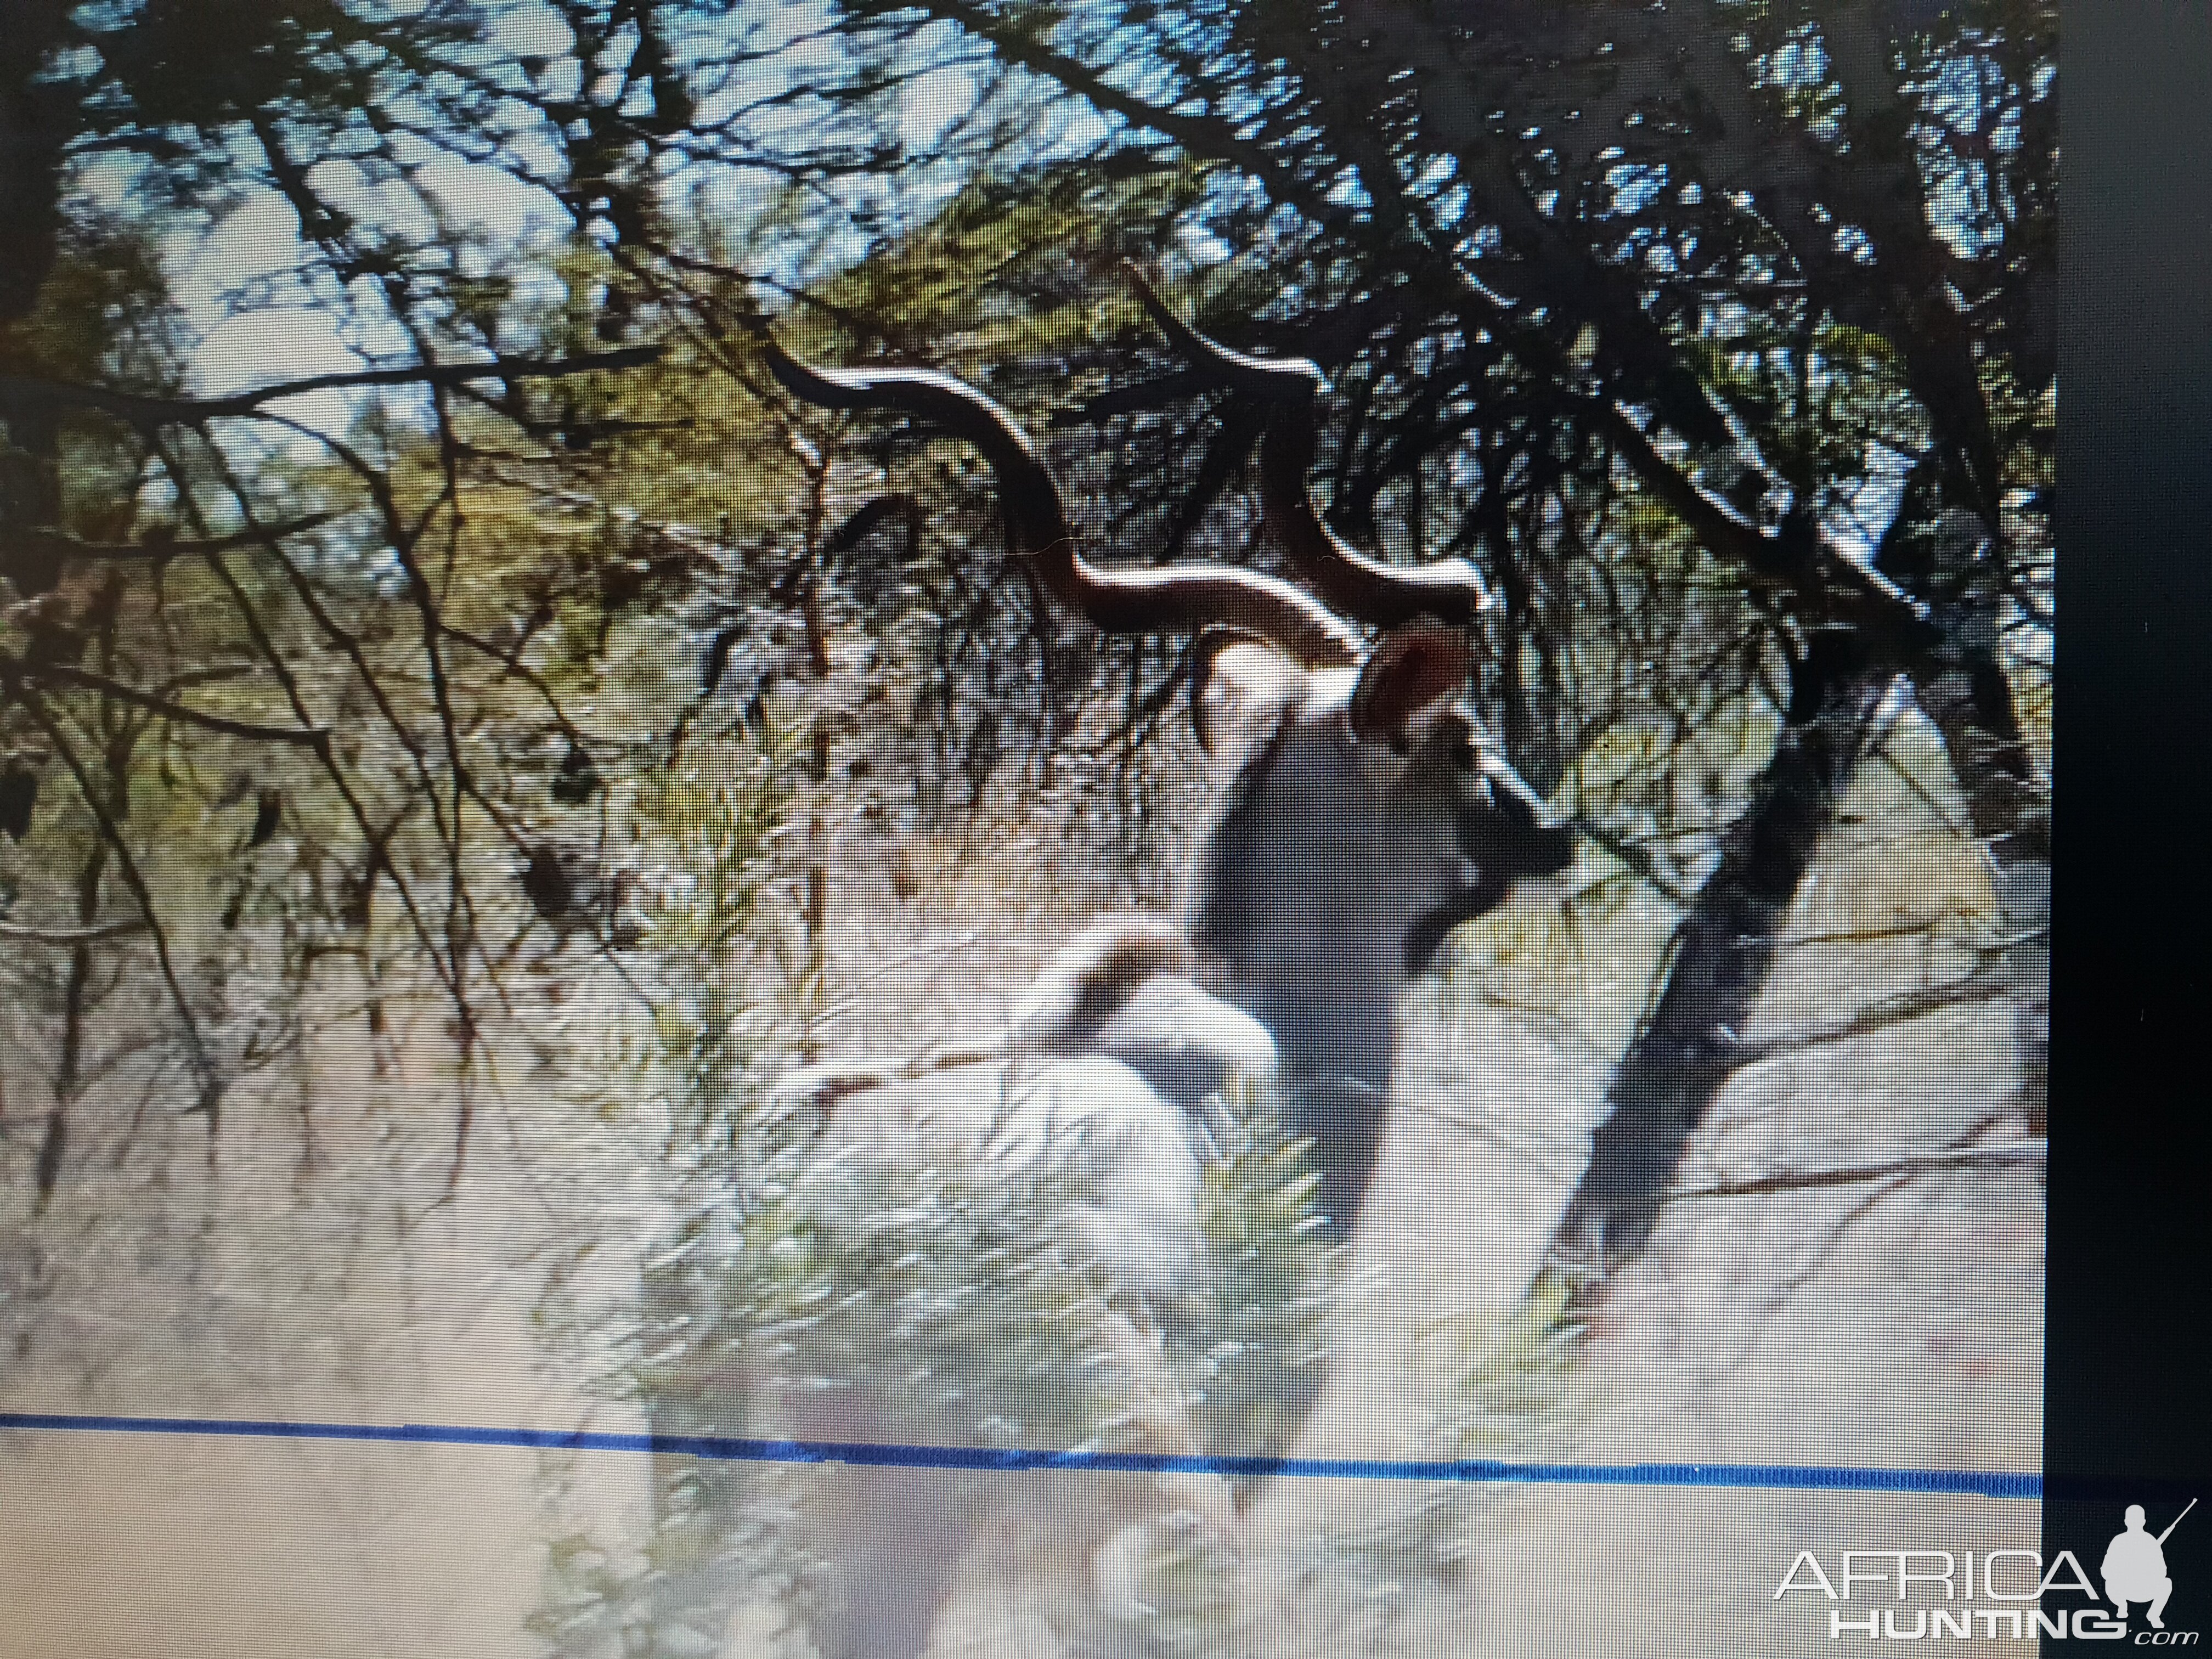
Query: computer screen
column 968, row 827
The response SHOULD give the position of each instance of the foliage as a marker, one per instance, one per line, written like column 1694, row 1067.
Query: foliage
column 952, row 1287
column 1252, row 1347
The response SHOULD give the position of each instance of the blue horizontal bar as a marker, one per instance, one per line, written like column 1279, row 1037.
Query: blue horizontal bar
column 1787, row 1476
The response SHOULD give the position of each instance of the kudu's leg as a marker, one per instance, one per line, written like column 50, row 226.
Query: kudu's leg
column 1123, row 1559
column 695, row 1508
column 892, row 1540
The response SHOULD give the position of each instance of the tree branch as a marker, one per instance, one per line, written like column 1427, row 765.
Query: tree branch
column 1889, row 1010
column 71, row 937
column 1847, row 1174
column 59, row 545
column 211, row 1084
column 144, row 409
column 15, row 673
column 1834, row 587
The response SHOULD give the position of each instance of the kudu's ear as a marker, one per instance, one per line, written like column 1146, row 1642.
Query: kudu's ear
column 1413, row 667
column 1237, row 681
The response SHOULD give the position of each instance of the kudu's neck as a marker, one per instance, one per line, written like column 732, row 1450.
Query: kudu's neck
column 1331, row 1013
column 1298, row 901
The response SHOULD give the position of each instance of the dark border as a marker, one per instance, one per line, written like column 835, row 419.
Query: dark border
column 2128, row 1400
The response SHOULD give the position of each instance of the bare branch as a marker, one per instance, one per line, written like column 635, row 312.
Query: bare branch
column 211, row 1084
column 1898, row 1010
column 296, row 695
column 1834, row 587
column 14, row 672
column 1883, row 1169
column 23, row 933
column 144, row 409
column 56, row 543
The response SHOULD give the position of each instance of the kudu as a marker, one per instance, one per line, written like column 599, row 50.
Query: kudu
column 1368, row 815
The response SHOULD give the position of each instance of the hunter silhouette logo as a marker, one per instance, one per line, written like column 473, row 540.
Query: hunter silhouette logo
column 2135, row 1567
column 1924, row 1594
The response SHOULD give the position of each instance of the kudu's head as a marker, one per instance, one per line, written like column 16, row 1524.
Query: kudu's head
column 1370, row 812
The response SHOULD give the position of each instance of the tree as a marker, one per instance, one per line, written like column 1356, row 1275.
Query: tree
column 1764, row 269
column 221, row 605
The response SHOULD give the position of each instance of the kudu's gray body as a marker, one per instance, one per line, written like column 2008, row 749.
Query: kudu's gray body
column 1365, row 817
column 1339, row 867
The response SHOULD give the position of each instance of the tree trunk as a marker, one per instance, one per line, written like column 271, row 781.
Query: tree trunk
column 34, row 132
column 35, row 129
column 1962, row 688
column 1722, row 953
